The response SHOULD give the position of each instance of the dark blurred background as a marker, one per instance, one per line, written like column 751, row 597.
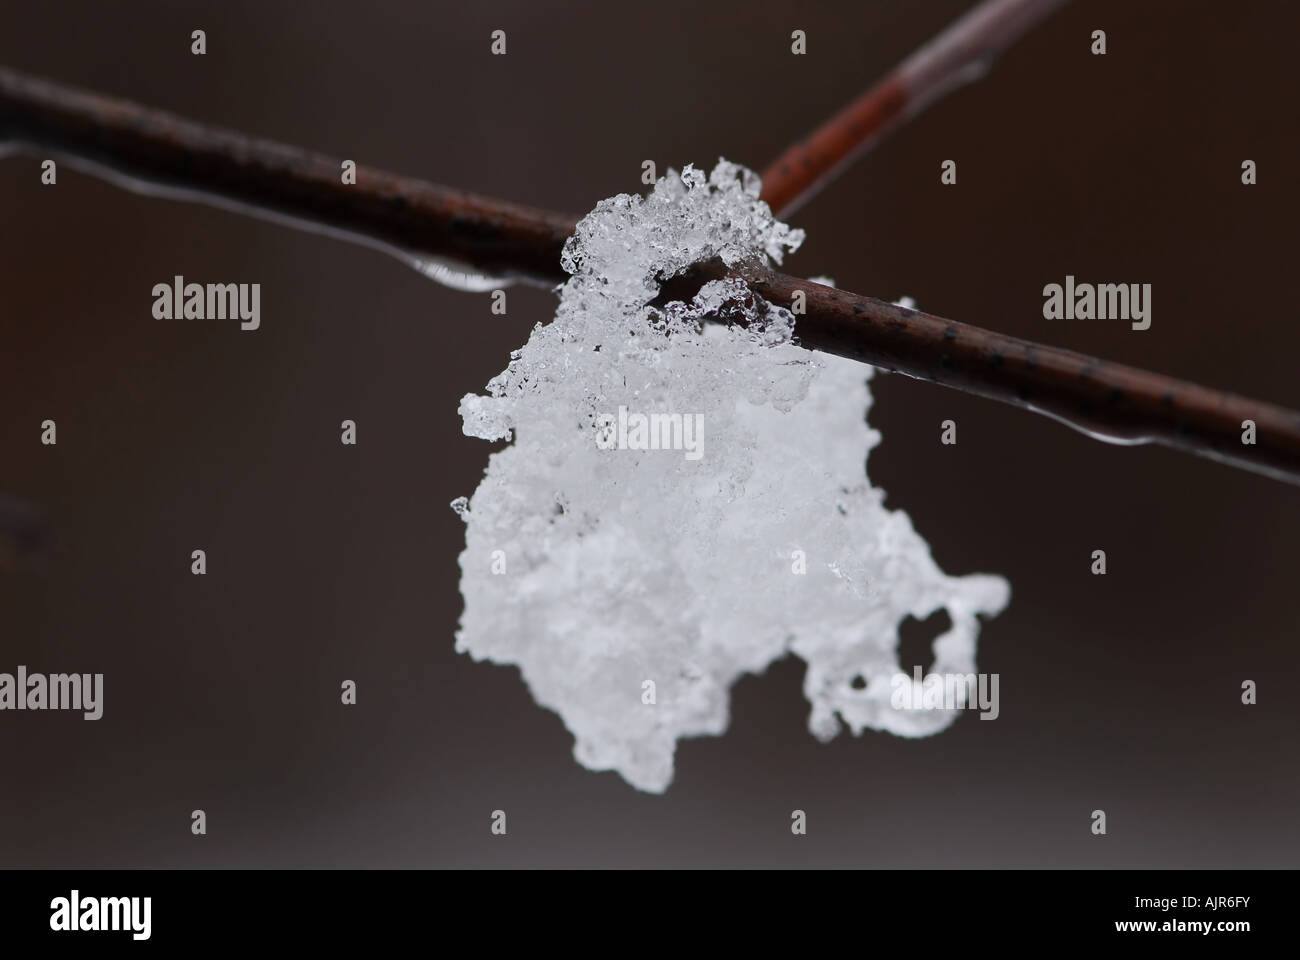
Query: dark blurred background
column 329, row 563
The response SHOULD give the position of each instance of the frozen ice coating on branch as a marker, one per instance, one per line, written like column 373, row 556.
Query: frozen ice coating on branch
column 632, row 573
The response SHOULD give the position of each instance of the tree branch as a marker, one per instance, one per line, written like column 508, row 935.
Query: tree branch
column 159, row 153
column 156, row 153
column 961, row 53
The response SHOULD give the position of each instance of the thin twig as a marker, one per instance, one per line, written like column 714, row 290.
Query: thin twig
column 958, row 55
column 1108, row 400
column 153, row 152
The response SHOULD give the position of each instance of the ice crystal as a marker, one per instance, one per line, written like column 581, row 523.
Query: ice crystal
column 633, row 583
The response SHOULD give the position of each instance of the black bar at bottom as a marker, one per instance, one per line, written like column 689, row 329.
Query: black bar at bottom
column 659, row 911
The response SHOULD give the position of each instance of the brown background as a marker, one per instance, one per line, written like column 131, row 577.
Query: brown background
column 325, row 563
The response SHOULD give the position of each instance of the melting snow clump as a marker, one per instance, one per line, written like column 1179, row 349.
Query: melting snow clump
column 686, row 502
